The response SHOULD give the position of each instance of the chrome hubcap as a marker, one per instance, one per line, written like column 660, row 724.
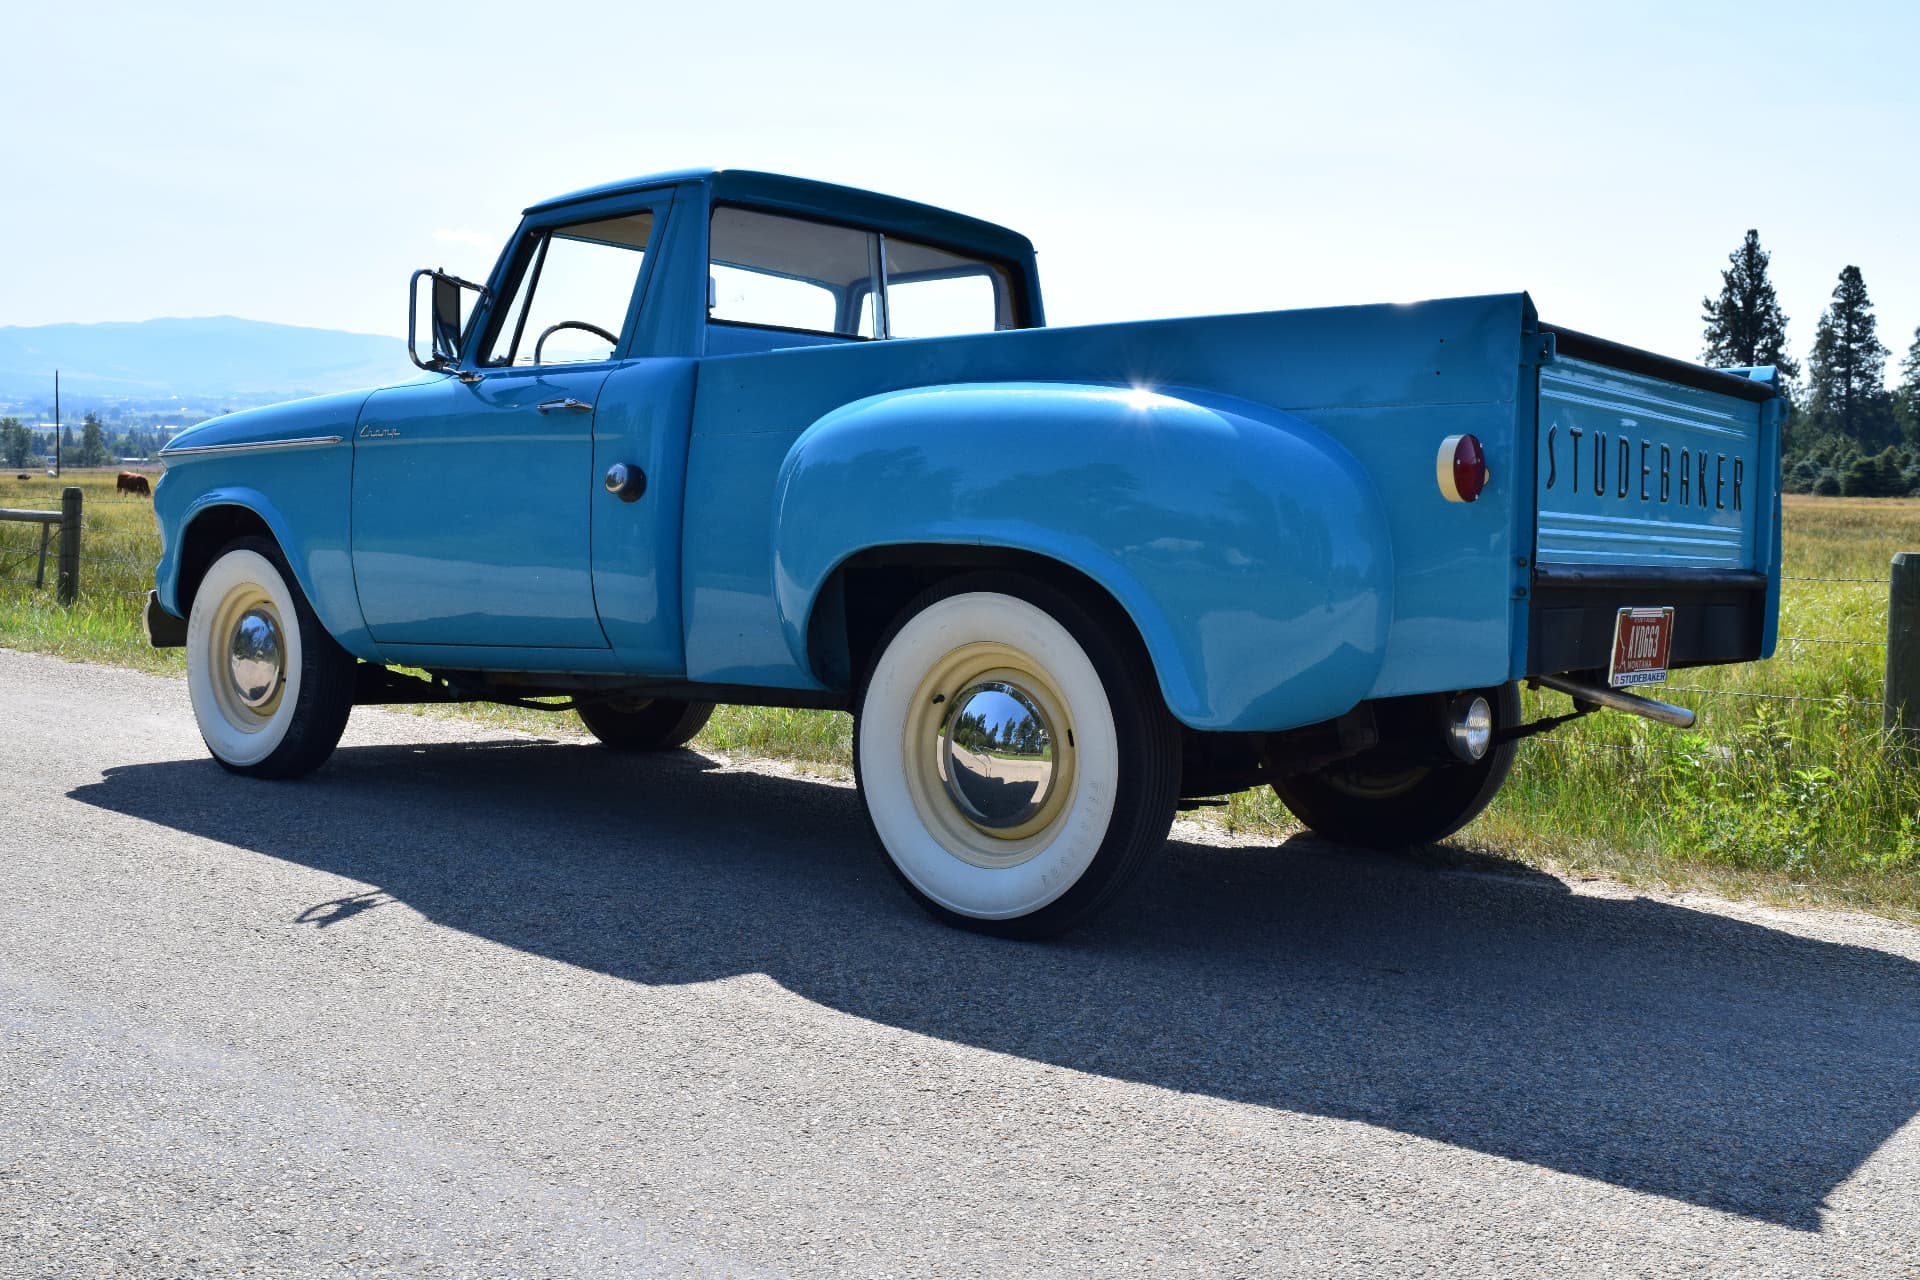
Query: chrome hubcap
column 254, row 658
column 996, row 755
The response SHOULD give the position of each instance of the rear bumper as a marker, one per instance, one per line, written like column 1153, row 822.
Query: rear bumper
column 1719, row 616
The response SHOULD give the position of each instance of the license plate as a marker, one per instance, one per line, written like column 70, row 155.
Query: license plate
column 1641, row 640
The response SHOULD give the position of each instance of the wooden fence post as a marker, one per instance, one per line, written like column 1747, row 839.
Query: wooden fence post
column 1902, row 717
column 70, row 544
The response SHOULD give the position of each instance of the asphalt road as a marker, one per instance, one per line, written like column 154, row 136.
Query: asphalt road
column 468, row 1003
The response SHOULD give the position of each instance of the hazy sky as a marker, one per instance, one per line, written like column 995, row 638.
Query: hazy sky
column 183, row 160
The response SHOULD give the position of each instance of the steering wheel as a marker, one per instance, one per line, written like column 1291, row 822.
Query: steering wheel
column 552, row 329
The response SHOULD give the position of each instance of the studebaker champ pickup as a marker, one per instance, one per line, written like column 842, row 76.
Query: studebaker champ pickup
column 724, row 436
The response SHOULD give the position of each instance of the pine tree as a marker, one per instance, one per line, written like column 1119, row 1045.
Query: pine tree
column 16, row 441
column 1906, row 401
column 93, row 445
column 1862, row 479
column 1848, row 366
column 1745, row 326
column 1891, row 467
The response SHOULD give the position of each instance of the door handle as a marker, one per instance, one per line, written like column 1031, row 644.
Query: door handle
column 569, row 404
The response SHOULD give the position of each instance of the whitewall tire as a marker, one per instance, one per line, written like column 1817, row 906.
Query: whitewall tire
column 271, row 690
column 1016, row 760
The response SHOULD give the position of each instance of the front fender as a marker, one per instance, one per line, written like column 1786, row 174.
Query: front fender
column 320, row 562
column 289, row 464
column 1249, row 549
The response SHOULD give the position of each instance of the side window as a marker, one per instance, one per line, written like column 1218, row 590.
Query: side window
column 933, row 293
column 570, row 303
column 777, row 272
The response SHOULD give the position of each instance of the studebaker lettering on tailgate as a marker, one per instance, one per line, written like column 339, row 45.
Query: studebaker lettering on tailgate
column 723, row 436
column 1665, row 472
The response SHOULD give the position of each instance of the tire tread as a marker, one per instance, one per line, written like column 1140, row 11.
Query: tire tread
column 1437, row 806
column 664, row 724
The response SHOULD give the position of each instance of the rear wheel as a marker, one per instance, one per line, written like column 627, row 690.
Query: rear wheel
column 1380, row 804
column 1016, row 760
column 645, row 724
column 271, row 690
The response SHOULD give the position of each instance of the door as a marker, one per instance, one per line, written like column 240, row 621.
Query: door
column 472, row 494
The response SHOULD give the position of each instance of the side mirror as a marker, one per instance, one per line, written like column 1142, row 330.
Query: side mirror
column 447, row 328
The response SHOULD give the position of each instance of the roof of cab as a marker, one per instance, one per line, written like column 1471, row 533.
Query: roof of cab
column 821, row 199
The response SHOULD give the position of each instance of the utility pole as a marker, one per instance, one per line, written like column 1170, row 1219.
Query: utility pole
column 56, row 422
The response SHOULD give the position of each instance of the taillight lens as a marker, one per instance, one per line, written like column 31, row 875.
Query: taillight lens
column 1461, row 468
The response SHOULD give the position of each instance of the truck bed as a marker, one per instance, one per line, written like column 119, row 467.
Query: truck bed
column 1479, row 594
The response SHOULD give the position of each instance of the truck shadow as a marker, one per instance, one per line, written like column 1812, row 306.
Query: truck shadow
column 1656, row 1048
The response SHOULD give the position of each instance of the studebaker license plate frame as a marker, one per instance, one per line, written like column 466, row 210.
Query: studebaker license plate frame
column 1642, row 641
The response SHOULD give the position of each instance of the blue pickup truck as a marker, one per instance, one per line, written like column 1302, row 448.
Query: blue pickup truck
column 727, row 436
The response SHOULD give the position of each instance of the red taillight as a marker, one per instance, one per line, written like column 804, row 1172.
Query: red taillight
column 1461, row 468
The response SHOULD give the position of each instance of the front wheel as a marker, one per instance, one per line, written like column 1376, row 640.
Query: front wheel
column 271, row 690
column 1016, row 760
column 1385, row 805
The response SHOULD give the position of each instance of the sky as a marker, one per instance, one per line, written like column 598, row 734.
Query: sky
column 295, row 163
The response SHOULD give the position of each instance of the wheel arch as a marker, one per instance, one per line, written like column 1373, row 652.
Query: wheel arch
column 865, row 591
column 1248, row 551
column 218, row 517
column 213, row 527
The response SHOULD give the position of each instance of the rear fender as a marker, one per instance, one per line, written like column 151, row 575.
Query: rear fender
column 1248, row 548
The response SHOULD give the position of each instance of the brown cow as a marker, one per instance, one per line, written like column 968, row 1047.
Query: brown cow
column 133, row 482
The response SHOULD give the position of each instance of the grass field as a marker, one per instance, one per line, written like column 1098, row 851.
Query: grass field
column 1783, row 791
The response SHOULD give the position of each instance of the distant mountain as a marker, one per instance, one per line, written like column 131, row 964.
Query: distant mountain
column 215, row 358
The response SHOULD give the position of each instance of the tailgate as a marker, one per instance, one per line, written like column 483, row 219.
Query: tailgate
column 1656, row 485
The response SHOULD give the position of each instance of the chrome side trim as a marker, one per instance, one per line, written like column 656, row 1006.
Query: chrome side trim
column 245, row 446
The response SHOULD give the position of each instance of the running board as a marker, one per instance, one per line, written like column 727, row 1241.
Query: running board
column 1613, row 699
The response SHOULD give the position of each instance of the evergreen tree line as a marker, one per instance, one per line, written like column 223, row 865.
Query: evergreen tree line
column 96, row 445
column 1847, row 433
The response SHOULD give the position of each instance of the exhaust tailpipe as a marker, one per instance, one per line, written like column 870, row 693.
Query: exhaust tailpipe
column 1614, row 699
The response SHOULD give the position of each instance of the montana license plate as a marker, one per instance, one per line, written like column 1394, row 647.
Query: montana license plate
column 1641, row 640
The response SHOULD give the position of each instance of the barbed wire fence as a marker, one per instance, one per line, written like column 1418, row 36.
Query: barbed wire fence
column 1786, row 646
column 80, row 573
column 18, row 565
column 66, row 521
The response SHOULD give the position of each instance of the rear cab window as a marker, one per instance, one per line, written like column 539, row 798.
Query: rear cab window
column 801, row 276
column 935, row 293
column 771, row 271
